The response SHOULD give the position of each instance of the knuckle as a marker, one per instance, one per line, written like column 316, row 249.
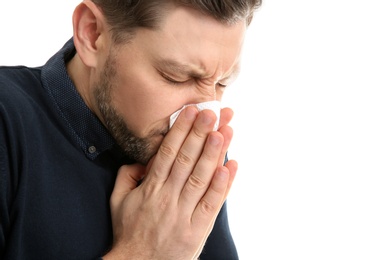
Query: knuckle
column 166, row 150
column 198, row 133
column 183, row 159
column 196, row 182
column 164, row 202
column 210, row 155
column 180, row 127
column 207, row 207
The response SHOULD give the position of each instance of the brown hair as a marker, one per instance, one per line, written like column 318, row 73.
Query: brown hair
column 126, row 15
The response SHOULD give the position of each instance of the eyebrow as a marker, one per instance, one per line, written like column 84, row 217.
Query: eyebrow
column 183, row 69
column 193, row 71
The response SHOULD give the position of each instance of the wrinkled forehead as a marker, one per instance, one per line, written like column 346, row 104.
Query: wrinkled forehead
column 199, row 40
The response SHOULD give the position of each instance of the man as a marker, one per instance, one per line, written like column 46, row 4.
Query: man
column 89, row 167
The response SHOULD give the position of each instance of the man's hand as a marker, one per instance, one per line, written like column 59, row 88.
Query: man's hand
column 171, row 214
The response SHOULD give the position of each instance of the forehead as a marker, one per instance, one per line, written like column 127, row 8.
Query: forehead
column 196, row 40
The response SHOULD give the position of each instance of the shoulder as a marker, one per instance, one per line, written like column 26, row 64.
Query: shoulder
column 19, row 88
column 18, row 85
column 16, row 80
column 18, row 74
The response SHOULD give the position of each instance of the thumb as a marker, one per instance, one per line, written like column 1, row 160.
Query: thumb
column 126, row 180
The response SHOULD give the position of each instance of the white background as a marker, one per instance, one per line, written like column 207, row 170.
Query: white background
column 312, row 130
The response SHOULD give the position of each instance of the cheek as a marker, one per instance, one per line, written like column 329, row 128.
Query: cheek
column 144, row 105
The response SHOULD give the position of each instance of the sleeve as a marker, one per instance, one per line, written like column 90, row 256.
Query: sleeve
column 8, row 165
column 4, row 186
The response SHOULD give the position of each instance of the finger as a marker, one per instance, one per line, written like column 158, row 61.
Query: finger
column 225, row 116
column 227, row 133
column 161, row 165
column 232, row 165
column 232, row 169
column 191, row 152
column 210, row 204
column 198, row 182
column 127, row 179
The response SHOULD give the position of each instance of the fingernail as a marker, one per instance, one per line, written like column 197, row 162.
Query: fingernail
column 214, row 140
column 206, row 120
column 222, row 174
column 190, row 113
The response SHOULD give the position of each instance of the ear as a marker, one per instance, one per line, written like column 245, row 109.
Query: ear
column 88, row 31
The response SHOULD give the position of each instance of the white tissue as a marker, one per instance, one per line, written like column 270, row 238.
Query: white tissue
column 214, row 105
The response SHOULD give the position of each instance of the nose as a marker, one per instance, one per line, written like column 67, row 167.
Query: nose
column 209, row 93
column 213, row 105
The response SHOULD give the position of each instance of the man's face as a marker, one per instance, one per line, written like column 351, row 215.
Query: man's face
column 188, row 60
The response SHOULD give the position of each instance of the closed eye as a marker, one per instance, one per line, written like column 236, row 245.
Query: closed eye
column 222, row 85
column 177, row 82
column 171, row 80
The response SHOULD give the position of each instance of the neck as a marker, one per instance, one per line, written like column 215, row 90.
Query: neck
column 80, row 76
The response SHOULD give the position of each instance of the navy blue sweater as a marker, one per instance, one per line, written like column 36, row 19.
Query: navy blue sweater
column 57, row 170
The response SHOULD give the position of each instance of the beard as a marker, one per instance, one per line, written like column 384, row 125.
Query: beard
column 136, row 148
